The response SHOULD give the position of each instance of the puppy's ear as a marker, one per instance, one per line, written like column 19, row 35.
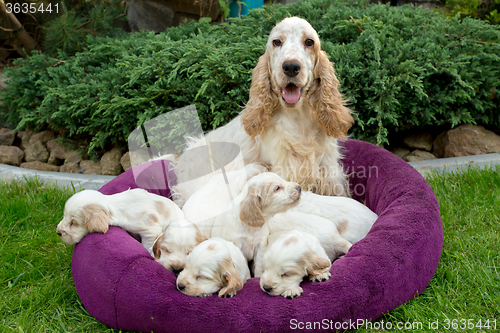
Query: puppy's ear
column 263, row 100
column 156, row 247
column 199, row 236
column 230, row 278
column 327, row 101
column 97, row 218
column 251, row 210
column 317, row 265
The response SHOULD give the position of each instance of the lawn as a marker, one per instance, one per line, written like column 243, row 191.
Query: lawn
column 37, row 292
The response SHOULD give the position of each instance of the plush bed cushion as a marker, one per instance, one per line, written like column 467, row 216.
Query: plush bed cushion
column 121, row 285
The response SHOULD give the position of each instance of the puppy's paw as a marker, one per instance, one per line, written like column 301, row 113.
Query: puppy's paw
column 226, row 293
column 321, row 277
column 293, row 292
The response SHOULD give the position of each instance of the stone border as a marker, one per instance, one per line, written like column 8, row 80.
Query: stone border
column 62, row 179
column 94, row 182
column 455, row 163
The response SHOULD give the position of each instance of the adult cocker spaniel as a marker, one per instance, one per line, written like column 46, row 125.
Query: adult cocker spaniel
column 293, row 118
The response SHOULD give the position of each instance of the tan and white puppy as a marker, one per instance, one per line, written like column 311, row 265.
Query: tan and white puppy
column 174, row 245
column 213, row 199
column 288, row 258
column 215, row 265
column 263, row 196
column 136, row 211
column 352, row 219
column 268, row 208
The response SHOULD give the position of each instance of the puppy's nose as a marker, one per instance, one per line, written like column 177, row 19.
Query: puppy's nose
column 58, row 232
column 299, row 189
column 181, row 287
column 267, row 289
column 176, row 270
column 291, row 68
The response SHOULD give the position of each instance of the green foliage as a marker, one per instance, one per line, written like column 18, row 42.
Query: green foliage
column 400, row 67
column 66, row 33
column 481, row 9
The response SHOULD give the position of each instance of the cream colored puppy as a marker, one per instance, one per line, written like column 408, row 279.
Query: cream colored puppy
column 213, row 199
column 136, row 211
column 174, row 245
column 288, row 258
column 263, row 196
column 215, row 265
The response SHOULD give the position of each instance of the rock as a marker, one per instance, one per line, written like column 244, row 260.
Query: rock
column 110, row 162
column 73, row 156
column 89, row 167
column 11, row 155
column 400, row 151
column 44, row 137
column 25, row 137
column 466, row 140
column 7, row 137
column 36, row 151
column 419, row 155
column 59, row 151
column 125, row 161
column 70, row 167
column 421, row 141
column 40, row 166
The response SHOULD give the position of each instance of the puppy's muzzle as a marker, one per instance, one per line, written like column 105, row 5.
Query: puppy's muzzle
column 181, row 287
column 176, row 270
column 267, row 289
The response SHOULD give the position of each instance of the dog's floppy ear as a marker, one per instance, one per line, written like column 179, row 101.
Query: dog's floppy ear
column 317, row 265
column 97, row 218
column 199, row 236
column 327, row 101
column 156, row 247
column 262, row 101
column 230, row 278
column 251, row 210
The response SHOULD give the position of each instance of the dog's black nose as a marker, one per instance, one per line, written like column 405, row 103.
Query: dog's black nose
column 299, row 189
column 291, row 68
column 181, row 287
column 59, row 233
column 267, row 289
column 176, row 270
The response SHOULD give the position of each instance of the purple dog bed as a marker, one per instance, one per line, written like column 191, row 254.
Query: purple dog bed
column 121, row 285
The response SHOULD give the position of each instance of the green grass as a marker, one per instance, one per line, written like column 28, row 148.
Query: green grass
column 37, row 292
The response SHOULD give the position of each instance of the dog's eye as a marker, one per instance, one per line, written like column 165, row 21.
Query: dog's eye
column 200, row 277
column 277, row 188
column 166, row 250
column 309, row 43
column 72, row 223
column 284, row 275
column 276, row 43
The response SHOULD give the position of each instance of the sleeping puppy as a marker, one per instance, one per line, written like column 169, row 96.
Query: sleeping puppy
column 215, row 265
column 288, row 258
column 136, row 211
column 352, row 219
column 174, row 245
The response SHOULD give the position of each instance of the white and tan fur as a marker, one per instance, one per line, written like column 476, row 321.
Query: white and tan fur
column 215, row 265
column 263, row 196
column 291, row 121
column 288, row 257
column 283, row 216
column 213, row 198
column 136, row 211
column 352, row 219
column 176, row 242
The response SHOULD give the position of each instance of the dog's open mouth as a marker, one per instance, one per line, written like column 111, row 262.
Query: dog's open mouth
column 291, row 93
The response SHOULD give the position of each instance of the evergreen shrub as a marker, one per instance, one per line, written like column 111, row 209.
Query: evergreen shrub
column 400, row 67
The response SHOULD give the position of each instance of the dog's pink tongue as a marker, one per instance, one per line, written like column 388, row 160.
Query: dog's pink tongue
column 291, row 94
